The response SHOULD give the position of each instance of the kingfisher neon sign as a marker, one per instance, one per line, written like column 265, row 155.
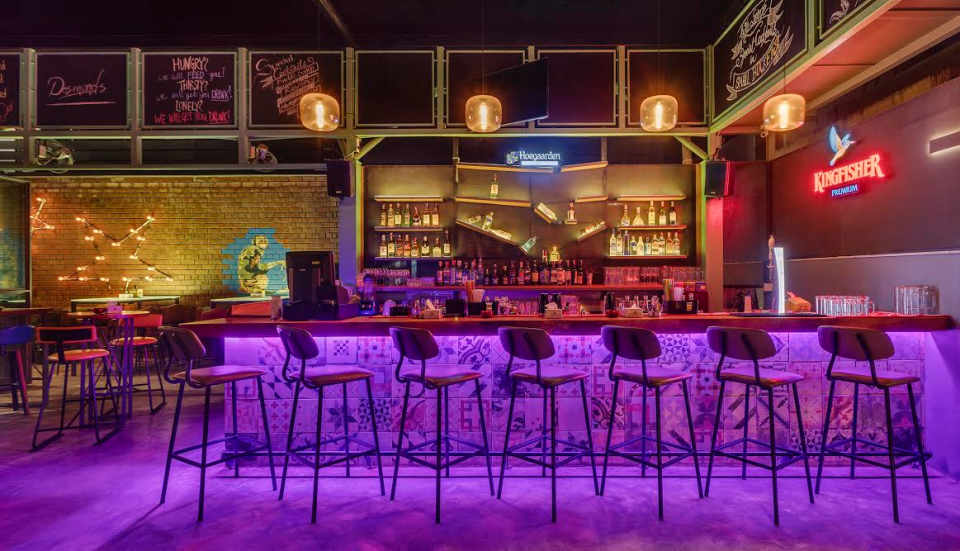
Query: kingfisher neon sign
column 847, row 175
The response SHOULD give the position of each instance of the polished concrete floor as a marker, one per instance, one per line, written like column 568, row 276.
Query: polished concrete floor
column 76, row 495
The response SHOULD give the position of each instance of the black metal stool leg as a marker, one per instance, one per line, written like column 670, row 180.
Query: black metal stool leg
column 746, row 425
column 403, row 427
column 586, row 422
column 44, row 401
column 173, row 437
column 346, row 429
column 88, row 366
column 316, row 457
column 893, row 462
column 293, row 423
column 853, row 442
column 923, row 455
column 553, row 454
column 613, row 416
column 506, row 440
column 823, row 438
column 236, row 441
column 439, row 451
column 803, row 441
column 156, row 366
column 376, row 437
column 656, row 396
column 266, row 433
column 773, row 456
column 22, row 380
column 713, row 440
column 203, row 452
column 543, row 433
column 446, row 422
column 63, row 399
column 643, row 431
column 693, row 439
column 483, row 429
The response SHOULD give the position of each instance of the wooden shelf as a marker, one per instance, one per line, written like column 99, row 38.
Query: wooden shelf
column 492, row 288
column 646, row 198
column 428, row 258
column 584, row 166
column 498, row 202
column 399, row 229
column 487, row 234
column 652, row 228
column 598, row 231
column 649, row 257
column 408, row 199
column 591, row 199
column 504, row 168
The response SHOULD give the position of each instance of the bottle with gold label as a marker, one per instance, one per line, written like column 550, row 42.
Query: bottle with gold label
column 662, row 220
column 554, row 254
column 625, row 219
column 425, row 248
column 494, row 188
column 437, row 252
column 446, row 243
column 383, row 246
column 398, row 216
column 652, row 215
column 383, row 215
column 436, row 216
column 391, row 221
column 638, row 218
column 415, row 249
column 391, row 247
column 673, row 214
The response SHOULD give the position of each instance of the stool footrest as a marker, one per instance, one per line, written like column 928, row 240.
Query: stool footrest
column 461, row 456
column 305, row 452
column 643, row 458
column 909, row 456
column 530, row 456
column 225, row 457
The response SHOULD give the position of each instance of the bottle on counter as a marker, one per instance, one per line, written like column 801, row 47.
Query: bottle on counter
column 494, row 188
column 673, row 214
column 662, row 220
column 383, row 215
column 651, row 215
column 383, row 245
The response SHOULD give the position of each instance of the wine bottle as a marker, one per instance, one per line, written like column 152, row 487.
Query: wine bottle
column 662, row 221
column 383, row 215
column 673, row 214
column 383, row 245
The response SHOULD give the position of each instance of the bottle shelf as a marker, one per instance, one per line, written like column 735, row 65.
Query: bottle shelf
column 649, row 257
column 492, row 167
column 497, row 202
column 591, row 199
column 429, row 258
column 647, row 198
column 408, row 199
column 597, row 231
column 402, row 229
column 486, row 233
column 653, row 228
column 491, row 288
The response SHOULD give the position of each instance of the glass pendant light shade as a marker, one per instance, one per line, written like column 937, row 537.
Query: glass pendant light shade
column 658, row 113
column 483, row 113
column 319, row 112
column 784, row 112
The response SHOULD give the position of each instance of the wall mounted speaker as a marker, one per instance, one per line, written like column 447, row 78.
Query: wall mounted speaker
column 340, row 178
column 719, row 179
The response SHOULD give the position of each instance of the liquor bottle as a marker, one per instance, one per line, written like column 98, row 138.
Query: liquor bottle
column 638, row 218
column 438, row 280
column 383, row 215
column 613, row 243
column 568, row 274
column 494, row 188
column 535, row 274
column 662, row 245
column 425, row 221
column 528, row 274
column 416, row 217
column 581, row 274
column 620, row 244
column 391, row 247
column 651, row 215
column 673, row 214
column 504, row 276
column 571, row 214
column 662, row 221
column 383, row 246
column 554, row 254
column 457, row 276
column 398, row 216
column 544, row 273
column 487, row 222
column 625, row 219
column 495, row 276
column 406, row 215
column 437, row 252
column 425, row 248
column 634, row 250
column 391, row 221
column 512, row 274
column 543, row 256
column 446, row 243
column 406, row 246
column 436, row 216
column 529, row 244
column 415, row 249
column 647, row 247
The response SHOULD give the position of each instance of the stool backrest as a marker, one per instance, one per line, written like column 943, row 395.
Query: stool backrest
column 526, row 343
column 18, row 334
column 150, row 321
column 741, row 344
column 298, row 342
column 855, row 343
column 212, row 314
column 182, row 344
column 416, row 344
column 60, row 336
column 632, row 343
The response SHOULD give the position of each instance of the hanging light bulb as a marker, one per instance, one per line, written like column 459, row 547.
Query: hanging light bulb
column 483, row 113
column 319, row 112
column 784, row 112
column 659, row 113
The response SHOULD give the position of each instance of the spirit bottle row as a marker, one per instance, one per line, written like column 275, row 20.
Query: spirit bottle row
column 404, row 248
column 567, row 272
column 664, row 218
column 624, row 244
column 402, row 217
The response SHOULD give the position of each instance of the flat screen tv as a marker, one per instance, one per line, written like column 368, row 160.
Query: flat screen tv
column 522, row 91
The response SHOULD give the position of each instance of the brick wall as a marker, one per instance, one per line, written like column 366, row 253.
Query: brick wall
column 196, row 219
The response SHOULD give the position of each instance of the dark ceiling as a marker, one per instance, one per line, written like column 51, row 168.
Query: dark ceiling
column 370, row 23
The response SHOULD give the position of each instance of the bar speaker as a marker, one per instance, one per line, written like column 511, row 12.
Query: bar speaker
column 719, row 179
column 340, row 178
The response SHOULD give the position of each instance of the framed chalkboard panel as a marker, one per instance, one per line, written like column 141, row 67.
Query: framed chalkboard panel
column 582, row 87
column 465, row 71
column 9, row 90
column 834, row 12
column 82, row 90
column 765, row 37
column 395, row 88
column 680, row 73
column 189, row 90
column 279, row 79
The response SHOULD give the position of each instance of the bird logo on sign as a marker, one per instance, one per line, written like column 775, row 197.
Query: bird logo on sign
column 838, row 145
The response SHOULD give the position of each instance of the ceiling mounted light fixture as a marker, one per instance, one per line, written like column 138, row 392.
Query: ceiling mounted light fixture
column 784, row 112
column 318, row 111
column 659, row 113
column 483, row 113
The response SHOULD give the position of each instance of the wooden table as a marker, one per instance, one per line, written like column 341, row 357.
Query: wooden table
column 138, row 301
column 232, row 301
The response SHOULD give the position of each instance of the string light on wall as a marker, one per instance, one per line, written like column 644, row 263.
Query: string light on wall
column 483, row 112
column 659, row 113
column 36, row 223
column 97, row 235
column 319, row 112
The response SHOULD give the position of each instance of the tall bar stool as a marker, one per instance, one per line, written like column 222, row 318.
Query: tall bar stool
column 184, row 346
column 755, row 345
column 299, row 344
column 640, row 344
column 535, row 345
column 869, row 345
column 145, row 347
column 418, row 345
column 11, row 339
column 85, row 357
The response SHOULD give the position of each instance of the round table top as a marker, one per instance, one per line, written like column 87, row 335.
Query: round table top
column 18, row 311
column 106, row 316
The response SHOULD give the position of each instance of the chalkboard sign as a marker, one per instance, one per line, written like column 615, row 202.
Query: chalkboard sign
column 81, row 89
column 278, row 81
column 189, row 89
column 9, row 90
column 760, row 42
column 834, row 12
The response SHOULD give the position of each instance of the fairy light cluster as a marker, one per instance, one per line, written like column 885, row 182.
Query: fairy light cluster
column 37, row 223
column 98, row 236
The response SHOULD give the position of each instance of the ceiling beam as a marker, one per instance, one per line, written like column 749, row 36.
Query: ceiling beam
column 334, row 16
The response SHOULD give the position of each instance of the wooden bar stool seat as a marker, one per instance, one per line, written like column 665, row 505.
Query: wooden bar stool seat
column 637, row 344
column 334, row 374
column 11, row 340
column 549, row 377
column 221, row 374
column 79, row 355
column 137, row 341
column 440, row 376
column 869, row 345
column 754, row 345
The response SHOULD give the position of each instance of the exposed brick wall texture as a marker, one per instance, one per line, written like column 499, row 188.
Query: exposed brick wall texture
column 197, row 217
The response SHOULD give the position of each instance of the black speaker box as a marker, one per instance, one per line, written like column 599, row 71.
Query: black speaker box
column 340, row 178
column 719, row 179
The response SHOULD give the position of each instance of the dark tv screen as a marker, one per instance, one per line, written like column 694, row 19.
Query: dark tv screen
column 522, row 91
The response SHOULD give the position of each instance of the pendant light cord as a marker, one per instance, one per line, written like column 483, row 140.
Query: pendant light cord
column 483, row 46
column 658, row 47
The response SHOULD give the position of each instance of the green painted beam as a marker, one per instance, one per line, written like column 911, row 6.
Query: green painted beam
column 693, row 148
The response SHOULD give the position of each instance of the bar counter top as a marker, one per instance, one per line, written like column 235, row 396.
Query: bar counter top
column 579, row 325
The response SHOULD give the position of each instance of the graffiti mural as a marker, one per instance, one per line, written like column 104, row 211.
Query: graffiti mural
column 255, row 263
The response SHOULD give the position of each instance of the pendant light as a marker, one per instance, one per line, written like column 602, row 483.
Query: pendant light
column 318, row 111
column 659, row 113
column 483, row 112
column 784, row 112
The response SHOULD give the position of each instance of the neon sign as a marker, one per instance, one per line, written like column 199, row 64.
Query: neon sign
column 847, row 175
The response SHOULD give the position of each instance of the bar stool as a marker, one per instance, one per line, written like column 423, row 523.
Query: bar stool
column 419, row 345
column 755, row 345
column 299, row 344
column 869, row 345
column 184, row 346
column 85, row 357
column 535, row 345
column 641, row 344
column 144, row 347
column 11, row 339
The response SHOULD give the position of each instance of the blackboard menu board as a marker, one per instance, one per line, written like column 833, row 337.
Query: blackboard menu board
column 189, row 89
column 760, row 42
column 834, row 12
column 279, row 80
column 9, row 90
column 81, row 89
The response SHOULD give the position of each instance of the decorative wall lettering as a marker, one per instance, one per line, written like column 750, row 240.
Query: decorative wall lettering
column 834, row 12
column 83, row 89
column 189, row 90
column 9, row 90
column 279, row 80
